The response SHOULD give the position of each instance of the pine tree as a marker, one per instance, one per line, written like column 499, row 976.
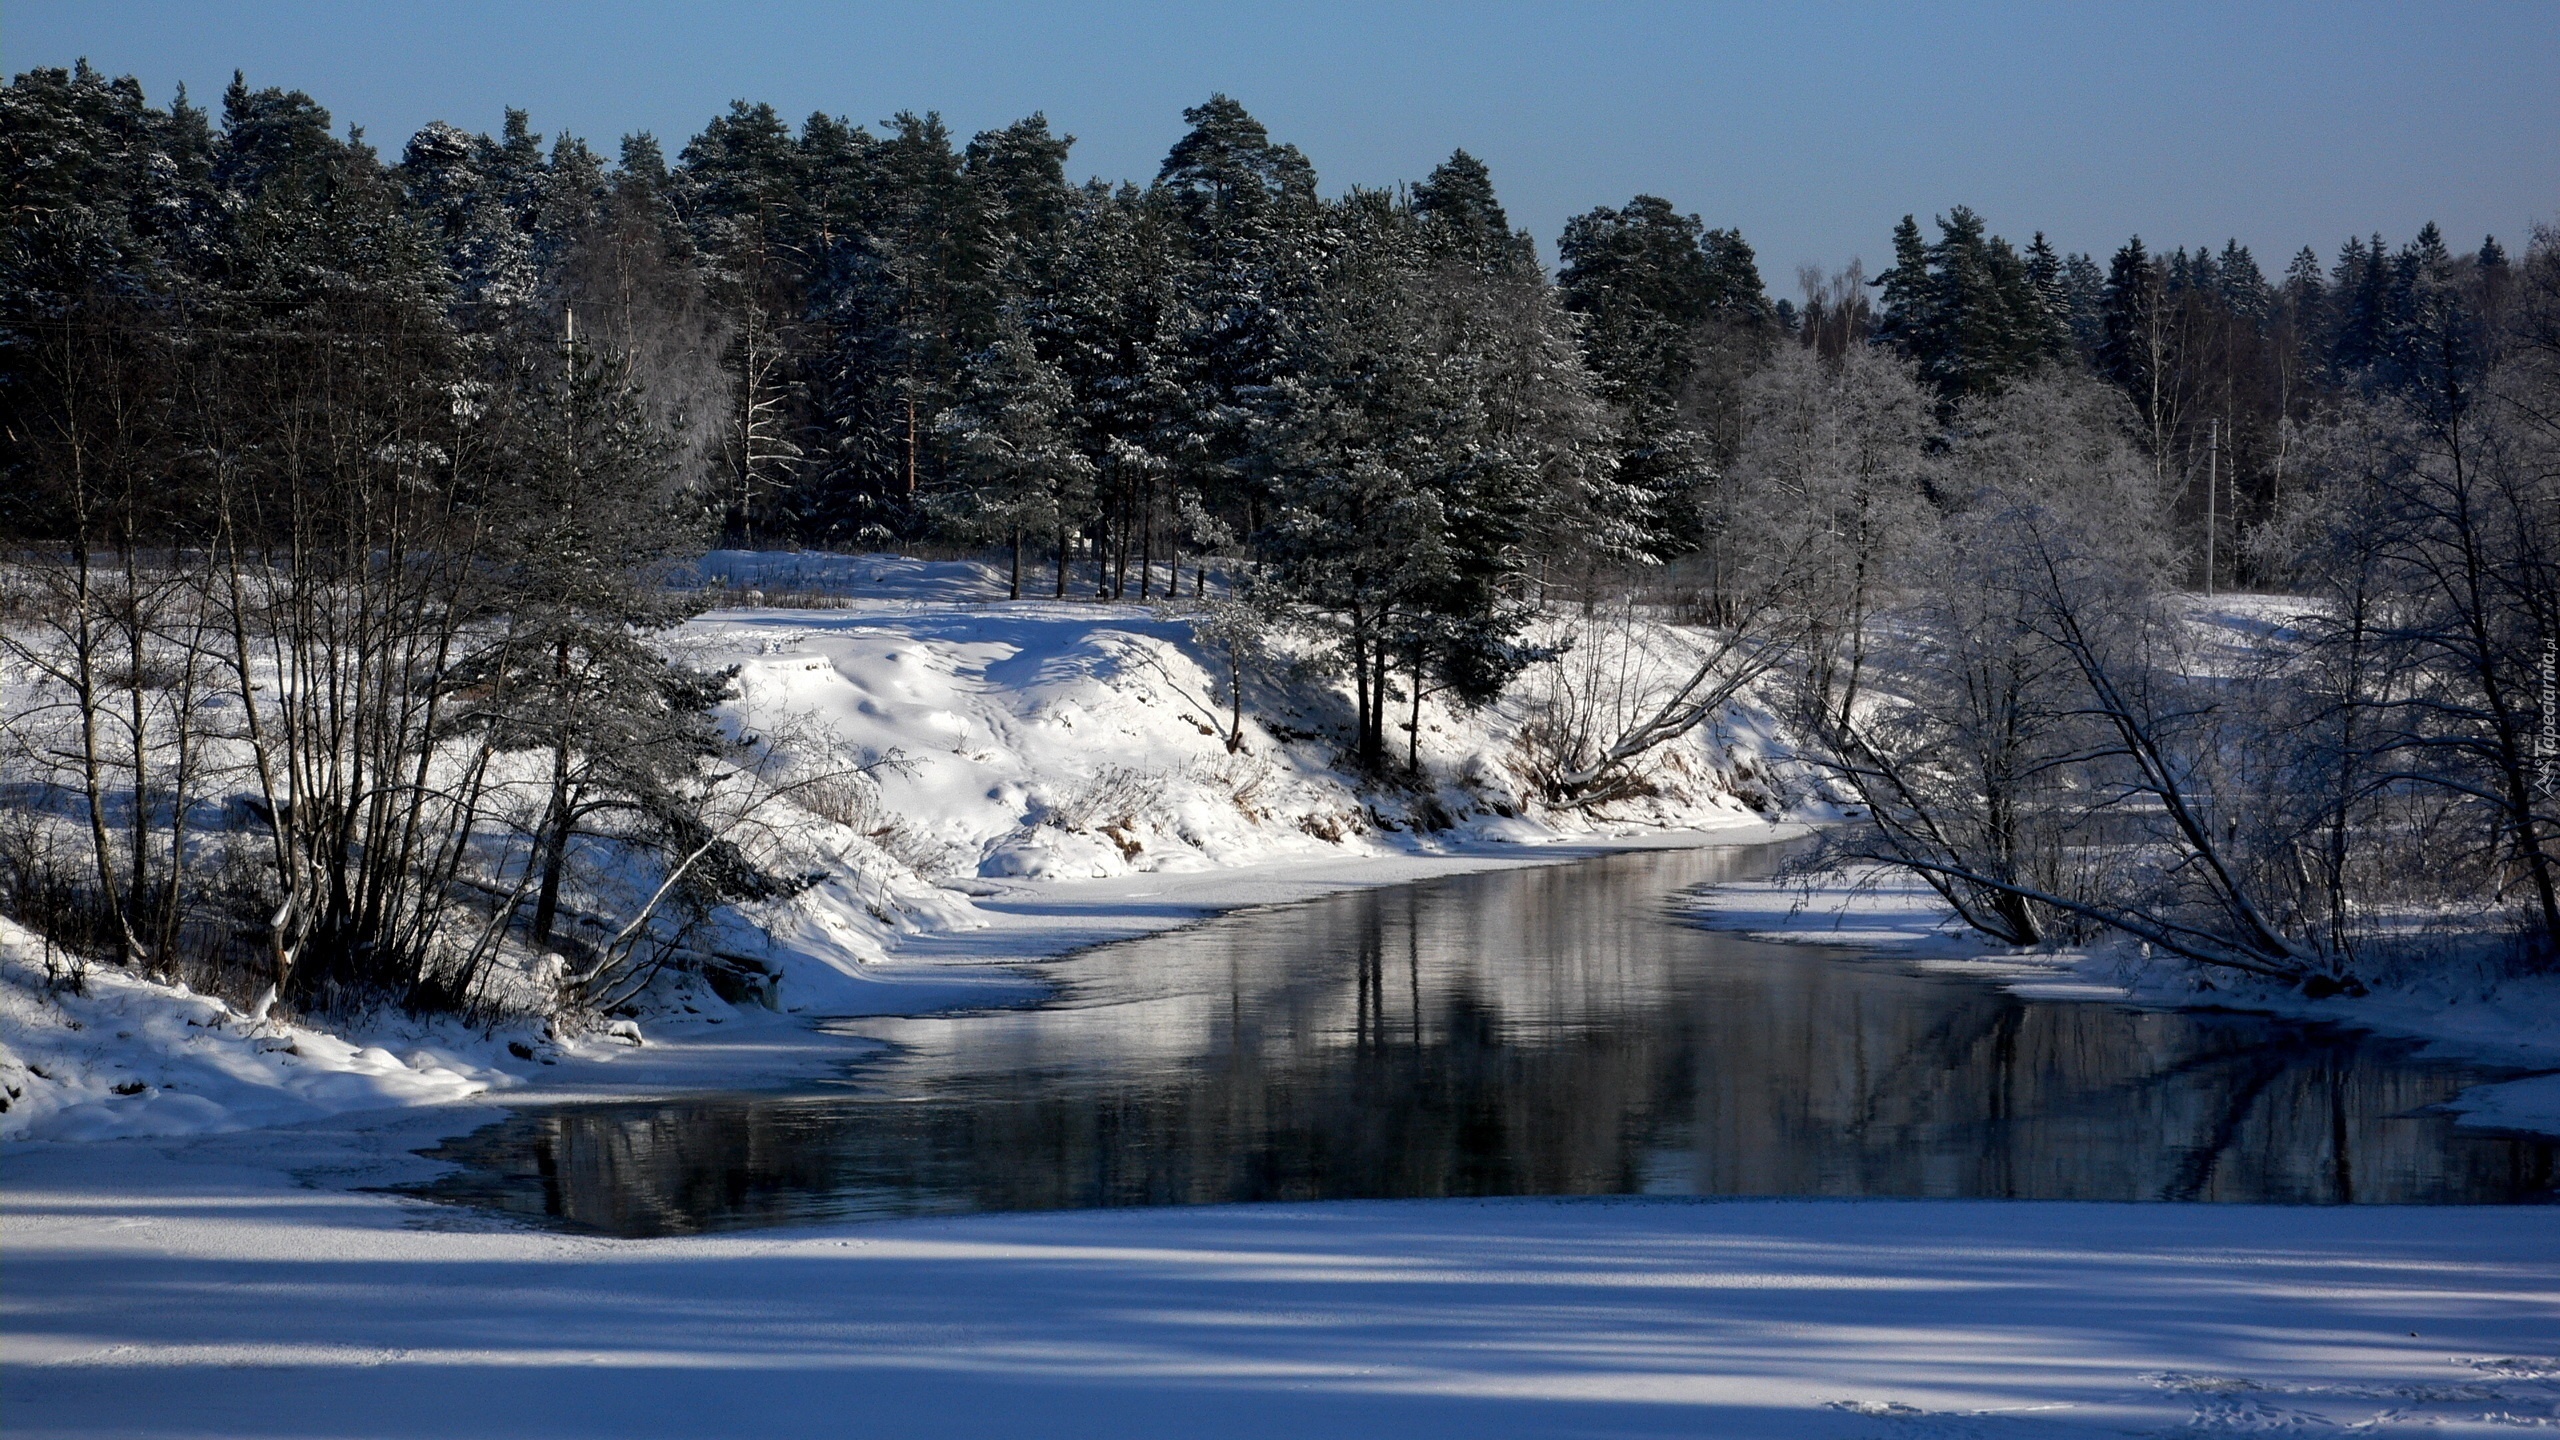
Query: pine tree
column 629, row 283
column 1253, row 241
column 1012, row 429
column 588, row 515
column 1020, row 173
column 1106, row 309
column 742, row 188
column 1903, row 300
column 1457, row 197
column 1672, row 313
column 1528, row 435
column 1356, row 535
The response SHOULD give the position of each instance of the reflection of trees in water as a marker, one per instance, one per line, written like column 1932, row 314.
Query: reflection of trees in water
column 1862, row 1082
column 1541, row 1032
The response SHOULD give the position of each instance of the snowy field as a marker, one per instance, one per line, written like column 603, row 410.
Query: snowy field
column 146, row 1299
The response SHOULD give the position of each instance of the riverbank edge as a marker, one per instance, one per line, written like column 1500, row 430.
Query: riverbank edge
column 2469, row 1013
column 1031, row 924
column 727, row 1049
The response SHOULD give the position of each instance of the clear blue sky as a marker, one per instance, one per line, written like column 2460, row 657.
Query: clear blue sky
column 1812, row 127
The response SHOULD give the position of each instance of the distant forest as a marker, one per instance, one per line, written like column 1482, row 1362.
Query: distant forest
column 867, row 337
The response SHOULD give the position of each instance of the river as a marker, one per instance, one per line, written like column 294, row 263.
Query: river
column 1563, row 1030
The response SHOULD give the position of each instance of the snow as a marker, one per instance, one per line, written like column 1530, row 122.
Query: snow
column 2528, row 1104
column 1051, row 741
column 2236, row 633
column 259, row 1282
column 1870, row 907
column 219, row 1299
column 127, row 1057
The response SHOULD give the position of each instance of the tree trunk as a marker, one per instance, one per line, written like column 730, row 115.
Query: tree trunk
column 555, row 848
column 1360, row 689
column 556, row 823
column 1378, row 715
column 1146, row 538
column 1413, row 732
column 92, row 763
column 1235, row 699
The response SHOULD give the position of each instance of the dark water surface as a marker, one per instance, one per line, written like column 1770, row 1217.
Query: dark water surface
column 1556, row 1031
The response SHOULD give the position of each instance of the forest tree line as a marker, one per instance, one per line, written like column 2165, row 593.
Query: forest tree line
column 418, row 438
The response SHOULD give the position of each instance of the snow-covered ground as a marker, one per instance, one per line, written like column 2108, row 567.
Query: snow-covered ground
column 1041, row 741
column 123, row 1056
column 143, row 1300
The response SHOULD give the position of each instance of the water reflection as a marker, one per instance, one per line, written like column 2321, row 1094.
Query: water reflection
column 1542, row 1032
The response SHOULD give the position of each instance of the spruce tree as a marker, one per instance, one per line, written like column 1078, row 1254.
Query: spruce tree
column 2086, row 285
column 1967, row 308
column 2137, row 345
column 2050, row 285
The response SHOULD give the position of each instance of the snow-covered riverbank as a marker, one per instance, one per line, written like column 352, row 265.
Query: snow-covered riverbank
column 188, row 1064
column 1041, row 775
column 255, row 1283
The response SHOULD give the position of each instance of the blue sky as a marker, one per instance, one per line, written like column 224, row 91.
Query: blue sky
column 1811, row 127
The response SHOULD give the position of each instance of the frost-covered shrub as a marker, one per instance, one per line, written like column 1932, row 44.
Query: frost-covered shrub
column 850, row 800
column 1246, row 781
column 927, row 855
column 1116, row 797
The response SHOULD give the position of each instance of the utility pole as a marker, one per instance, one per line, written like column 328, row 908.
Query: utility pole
column 2212, row 484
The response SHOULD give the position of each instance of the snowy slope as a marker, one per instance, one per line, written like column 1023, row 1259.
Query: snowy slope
column 1044, row 741
column 124, row 1056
